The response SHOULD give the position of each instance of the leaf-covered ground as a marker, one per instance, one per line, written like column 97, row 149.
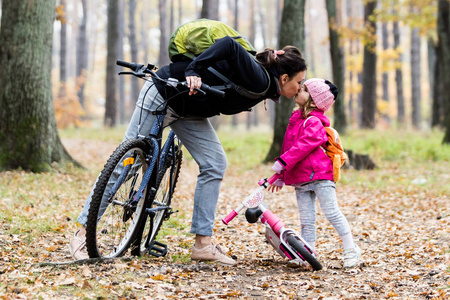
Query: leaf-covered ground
column 402, row 226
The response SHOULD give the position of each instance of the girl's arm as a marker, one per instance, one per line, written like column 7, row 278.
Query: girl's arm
column 252, row 75
column 314, row 135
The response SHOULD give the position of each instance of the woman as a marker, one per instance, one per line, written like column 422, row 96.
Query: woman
column 272, row 74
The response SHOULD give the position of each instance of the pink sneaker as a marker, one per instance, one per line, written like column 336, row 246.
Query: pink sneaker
column 212, row 253
column 77, row 247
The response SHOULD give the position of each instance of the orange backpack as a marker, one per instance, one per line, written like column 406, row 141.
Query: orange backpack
column 334, row 150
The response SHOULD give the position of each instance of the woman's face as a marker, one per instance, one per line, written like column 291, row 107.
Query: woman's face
column 290, row 86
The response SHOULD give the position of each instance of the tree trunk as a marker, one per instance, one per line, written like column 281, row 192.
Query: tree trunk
column 134, row 51
column 28, row 133
column 369, row 72
column 439, row 91
column 385, row 76
column 415, row 78
column 111, row 69
column 144, row 36
column 63, row 45
column 443, row 28
column 292, row 32
column 210, row 10
column 399, row 78
column 337, row 61
column 82, row 54
column 120, row 54
column 164, row 37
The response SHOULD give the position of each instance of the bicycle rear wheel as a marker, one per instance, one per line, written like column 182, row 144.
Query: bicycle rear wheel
column 303, row 252
column 160, row 199
column 114, row 218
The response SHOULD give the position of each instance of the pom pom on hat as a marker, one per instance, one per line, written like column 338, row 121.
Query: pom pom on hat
column 322, row 92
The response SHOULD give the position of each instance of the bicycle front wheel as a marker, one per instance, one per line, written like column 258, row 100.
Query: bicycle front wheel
column 160, row 201
column 303, row 252
column 114, row 216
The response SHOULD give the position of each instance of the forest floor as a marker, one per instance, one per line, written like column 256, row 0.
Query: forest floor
column 402, row 229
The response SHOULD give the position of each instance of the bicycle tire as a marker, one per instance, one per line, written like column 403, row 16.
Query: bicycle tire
column 159, row 198
column 303, row 252
column 111, row 227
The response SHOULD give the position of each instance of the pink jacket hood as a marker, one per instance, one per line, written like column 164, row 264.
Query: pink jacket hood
column 302, row 156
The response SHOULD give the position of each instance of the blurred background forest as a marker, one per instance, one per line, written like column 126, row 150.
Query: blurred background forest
column 404, row 41
column 389, row 58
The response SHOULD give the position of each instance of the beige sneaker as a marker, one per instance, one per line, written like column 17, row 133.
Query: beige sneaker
column 77, row 246
column 213, row 253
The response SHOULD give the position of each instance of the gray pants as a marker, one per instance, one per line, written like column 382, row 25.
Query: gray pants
column 200, row 139
column 325, row 190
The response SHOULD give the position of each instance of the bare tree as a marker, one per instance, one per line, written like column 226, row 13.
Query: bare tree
column 210, row 9
column 133, row 49
column 111, row 69
column 164, row 38
column 415, row 77
column 82, row 53
column 292, row 32
column 144, row 35
column 399, row 78
column 369, row 70
column 443, row 56
column 337, row 61
column 28, row 132
column 63, row 44
column 120, row 54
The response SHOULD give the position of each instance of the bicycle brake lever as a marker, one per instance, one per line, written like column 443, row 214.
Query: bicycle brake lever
column 127, row 73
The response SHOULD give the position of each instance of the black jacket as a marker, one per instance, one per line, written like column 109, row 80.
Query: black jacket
column 232, row 61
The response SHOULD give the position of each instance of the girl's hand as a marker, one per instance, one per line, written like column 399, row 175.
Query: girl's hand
column 276, row 185
column 193, row 82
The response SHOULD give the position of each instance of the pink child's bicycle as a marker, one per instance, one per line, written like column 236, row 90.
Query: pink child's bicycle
column 286, row 242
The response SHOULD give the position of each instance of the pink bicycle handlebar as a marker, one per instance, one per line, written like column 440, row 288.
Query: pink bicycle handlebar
column 230, row 217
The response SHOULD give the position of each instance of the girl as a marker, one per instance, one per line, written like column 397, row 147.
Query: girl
column 304, row 165
column 271, row 74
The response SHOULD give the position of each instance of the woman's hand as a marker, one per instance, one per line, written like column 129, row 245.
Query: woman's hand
column 193, row 82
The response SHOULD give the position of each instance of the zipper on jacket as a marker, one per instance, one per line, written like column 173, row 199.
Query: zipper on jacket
column 312, row 167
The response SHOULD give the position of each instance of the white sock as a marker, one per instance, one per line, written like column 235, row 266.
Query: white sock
column 347, row 240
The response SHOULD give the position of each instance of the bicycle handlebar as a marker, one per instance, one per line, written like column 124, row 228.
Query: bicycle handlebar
column 133, row 66
column 140, row 70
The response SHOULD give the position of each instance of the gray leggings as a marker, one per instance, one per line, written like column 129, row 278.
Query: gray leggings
column 325, row 190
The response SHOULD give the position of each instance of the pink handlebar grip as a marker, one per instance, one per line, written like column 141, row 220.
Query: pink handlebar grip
column 274, row 178
column 230, row 217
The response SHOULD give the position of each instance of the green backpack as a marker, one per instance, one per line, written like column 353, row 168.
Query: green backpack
column 192, row 38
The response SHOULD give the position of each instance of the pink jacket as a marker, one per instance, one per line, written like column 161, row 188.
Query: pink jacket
column 301, row 154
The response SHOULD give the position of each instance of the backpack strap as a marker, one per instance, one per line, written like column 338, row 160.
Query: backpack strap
column 242, row 91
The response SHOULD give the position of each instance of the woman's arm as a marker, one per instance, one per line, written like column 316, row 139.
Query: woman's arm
column 252, row 76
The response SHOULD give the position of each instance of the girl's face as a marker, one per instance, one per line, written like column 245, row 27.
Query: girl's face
column 302, row 96
column 290, row 86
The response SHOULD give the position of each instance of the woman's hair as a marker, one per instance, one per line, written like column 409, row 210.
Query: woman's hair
column 290, row 62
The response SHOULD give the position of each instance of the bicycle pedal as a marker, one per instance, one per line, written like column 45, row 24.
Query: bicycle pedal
column 157, row 249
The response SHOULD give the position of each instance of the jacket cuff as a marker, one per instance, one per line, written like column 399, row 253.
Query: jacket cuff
column 281, row 161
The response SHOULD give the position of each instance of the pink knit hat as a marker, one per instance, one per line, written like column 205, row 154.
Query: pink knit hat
column 322, row 91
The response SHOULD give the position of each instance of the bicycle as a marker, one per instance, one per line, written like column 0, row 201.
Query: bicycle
column 137, row 183
column 286, row 242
